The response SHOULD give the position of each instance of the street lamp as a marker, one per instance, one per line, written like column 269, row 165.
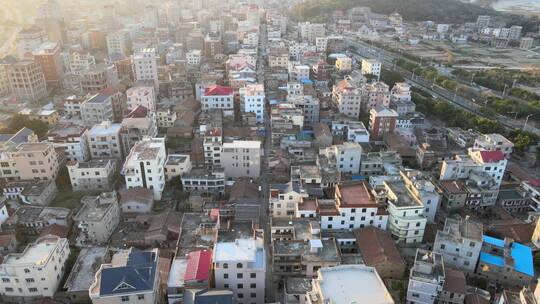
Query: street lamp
column 504, row 90
column 472, row 78
column 455, row 94
column 526, row 120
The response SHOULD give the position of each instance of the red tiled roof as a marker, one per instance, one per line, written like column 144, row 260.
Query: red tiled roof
column 355, row 195
column 376, row 246
column 217, row 90
column 491, row 156
column 138, row 112
column 198, row 266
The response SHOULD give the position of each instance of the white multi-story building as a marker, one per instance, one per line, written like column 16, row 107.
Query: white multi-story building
column 344, row 64
column 252, row 100
column 27, row 81
column 218, row 97
column 353, row 131
column 241, row 158
column 116, row 43
column 193, row 57
column 492, row 163
column 421, row 189
column 294, row 89
column 144, row 166
column 309, row 104
column 401, row 91
column 72, row 140
column 494, row 142
column 28, row 40
column 347, row 156
column 300, row 72
column 96, row 109
column 240, row 265
column 460, row 243
column 355, row 207
column 141, row 95
column 406, row 215
column 426, row 279
column 348, row 98
column 77, row 62
column 145, row 64
column 311, row 31
column 371, row 67
column 104, row 141
column 37, row 271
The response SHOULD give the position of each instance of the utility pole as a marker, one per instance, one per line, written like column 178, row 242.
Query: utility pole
column 526, row 121
column 504, row 90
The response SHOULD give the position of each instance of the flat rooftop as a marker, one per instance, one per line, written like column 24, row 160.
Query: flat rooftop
column 176, row 159
column 399, row 190
column 353, row 284
column 36, row 253
column 85, row 268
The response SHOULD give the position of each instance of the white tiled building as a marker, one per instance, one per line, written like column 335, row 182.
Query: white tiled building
column 145, row 63
column 144, row 166
column 92, row 175
column 426, row 279
column 371, row 67
column 494, row 142
column 104, row 141
column 72, row 139
column 37, row 271
column 218, row 97
column 347, row 156
column 252, row 99
column 348, row 98
column 240, row 266
column 177, row 165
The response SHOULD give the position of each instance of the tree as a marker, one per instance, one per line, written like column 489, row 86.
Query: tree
column 18, row 122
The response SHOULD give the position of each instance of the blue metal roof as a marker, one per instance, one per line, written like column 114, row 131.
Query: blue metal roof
column 521, row 254
column 138, row 275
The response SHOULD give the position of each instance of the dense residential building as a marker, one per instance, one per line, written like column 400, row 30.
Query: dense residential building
column 348, row 98
column 494, row 142
column 382, row 121
column 309, row 105
column 145, row 65
column 48, row 57
column 72, row 140
column 204, row 182
column 240, row 265
column 141, row 95
column 97, row 219
column 506, row 262
column 144, row 166
column 104, row 141
column 32, row 161
column 346, row 157
column 133, row 276
column 284, row 198
column 348, row 283
column 371, row 67
column 242, row 158
column 96, row 109
column 218, row 97
column 92, row 175
column 252, row 98
column 98, row 78
column 27, row 81
column 427, row 278
column 37, row 271
column 344, row 64
column 176, row 165
column 28, row 40
column 459, row 243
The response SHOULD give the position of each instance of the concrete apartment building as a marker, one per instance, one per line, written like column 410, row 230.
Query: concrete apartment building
column 141, row 95
column 406, row 220
column 460, row 243
column 348, row 284
column 240, row 265
column 28, row 40
column 309, row 105
column 218, row 97
column 132, row 276
column 34, row 160
column 348, row 98
column 311, row 31
column 97, row 219
column 375, row 94
column 144, row 166
column 138, row 124
column 426, row 279
column 252, row 99
column 117, row 43
column 371, row 67
column 26, row 81
column 494, row 142
column 204, row 182
column 177, row 165
column 37, row 271
column 284, row 198
column 347, row 156
column 241, row 158
column 382, row 121
column 92, row 175
column 72, row 140
column 48, row 57
column 421, row 188
column 97, row 108
column 98, row 78
column 146, row 65
column 354, row 207
column 344, row 64
column 104, row 141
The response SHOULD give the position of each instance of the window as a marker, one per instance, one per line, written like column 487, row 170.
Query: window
column 26, row 270
column 239, row 265
column 253, row 295
column 5, row 280
column 253, row 275
column 140, row 297
column 225, row 265
column 240, row 295
column 252, row 285
column 124, row 298
column 225, row 285
column 240, row 286
column 239, row 275
column 443, row 246
column 9, row 289
column 32, row 289
column 30, row 280
column 225, row 275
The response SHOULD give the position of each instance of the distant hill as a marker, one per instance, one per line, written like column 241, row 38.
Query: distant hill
column 440, row 11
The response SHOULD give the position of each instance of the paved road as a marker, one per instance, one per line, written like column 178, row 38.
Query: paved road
column 365, row 50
